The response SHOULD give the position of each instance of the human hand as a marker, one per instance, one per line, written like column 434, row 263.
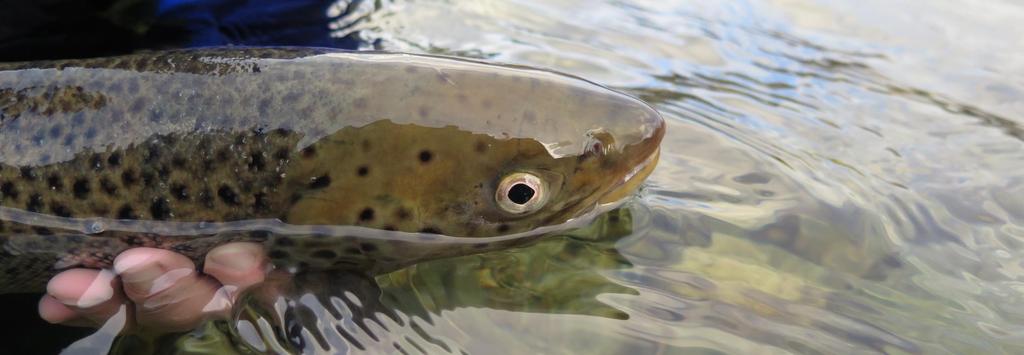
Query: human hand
column 162, row 289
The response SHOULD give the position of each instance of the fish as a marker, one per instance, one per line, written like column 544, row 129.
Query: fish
column 330, row 158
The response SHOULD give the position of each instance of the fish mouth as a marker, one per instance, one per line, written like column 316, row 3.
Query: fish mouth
column 643, row 158
column 632, row 179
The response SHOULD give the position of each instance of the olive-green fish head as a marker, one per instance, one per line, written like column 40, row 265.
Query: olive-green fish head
column 474, row 150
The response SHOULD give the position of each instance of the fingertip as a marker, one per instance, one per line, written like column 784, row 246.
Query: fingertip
column 82, row 288
column 55, row 312
column 237, row 264
column 237, row 256
column 132, row 259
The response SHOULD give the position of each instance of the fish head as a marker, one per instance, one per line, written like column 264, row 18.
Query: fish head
column 470, row 149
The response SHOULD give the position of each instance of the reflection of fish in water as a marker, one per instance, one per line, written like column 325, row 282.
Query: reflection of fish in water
column 155, row 149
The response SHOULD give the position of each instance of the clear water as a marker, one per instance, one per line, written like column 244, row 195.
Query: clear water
column 838, row 177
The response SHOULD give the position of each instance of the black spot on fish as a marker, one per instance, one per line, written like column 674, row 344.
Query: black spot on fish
column 257, row 162
column 366, row 214
column 353, row 251
column 27, row 173
column 480, row 147
column 128, row 177
column 426, row 156
column 324, row 254
column 40, row 231
column 308, row 152
column 152, row 153
column 114, row 159
column 54, row 182
column 284, row 242
column 160, row 209
column 8, row 190
column 363, row 170
column 77, row 119
column 60, row 210
column 179, row 191
column 137, row 106
column 260, row 202
column 282, row 154
column 39, row 137
column 164, row 171
column 228, row 195
column 108, row 186
column 208, row 164
column 502, row 228
column 278, row 254
column 90, row 133
column 126, row 212
column 402, row 213
column 223, row 155
column 148, row 178
column 96, row 162
column 81, row 188
column 179, row 162
column 320, row 182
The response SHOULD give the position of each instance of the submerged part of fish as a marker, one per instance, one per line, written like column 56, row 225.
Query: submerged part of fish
column 328, row 157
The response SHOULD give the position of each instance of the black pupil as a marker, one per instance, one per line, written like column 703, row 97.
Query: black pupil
column 520, row 193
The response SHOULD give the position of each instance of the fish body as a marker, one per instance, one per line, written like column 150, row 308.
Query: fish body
column 329, row 157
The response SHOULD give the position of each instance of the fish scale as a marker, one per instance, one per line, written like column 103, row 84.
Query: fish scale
column 159, row 146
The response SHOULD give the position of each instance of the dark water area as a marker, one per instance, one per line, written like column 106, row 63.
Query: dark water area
column 837, row 177
column 60, row 29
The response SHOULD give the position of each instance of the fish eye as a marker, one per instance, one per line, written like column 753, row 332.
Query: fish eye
column 521, row 193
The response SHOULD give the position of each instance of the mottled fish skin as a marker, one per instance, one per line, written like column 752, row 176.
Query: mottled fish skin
column 388, row 141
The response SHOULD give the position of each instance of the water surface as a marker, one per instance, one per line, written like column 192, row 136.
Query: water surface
column 838, row 177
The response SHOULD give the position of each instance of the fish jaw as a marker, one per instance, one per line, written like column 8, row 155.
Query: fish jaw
column 642, row 158
column 632, row 180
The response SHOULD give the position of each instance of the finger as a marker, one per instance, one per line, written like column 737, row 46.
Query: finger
column 168, row 292
column 237, row 266
column 145, row 272
column 85, row 294
column 55, row 312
